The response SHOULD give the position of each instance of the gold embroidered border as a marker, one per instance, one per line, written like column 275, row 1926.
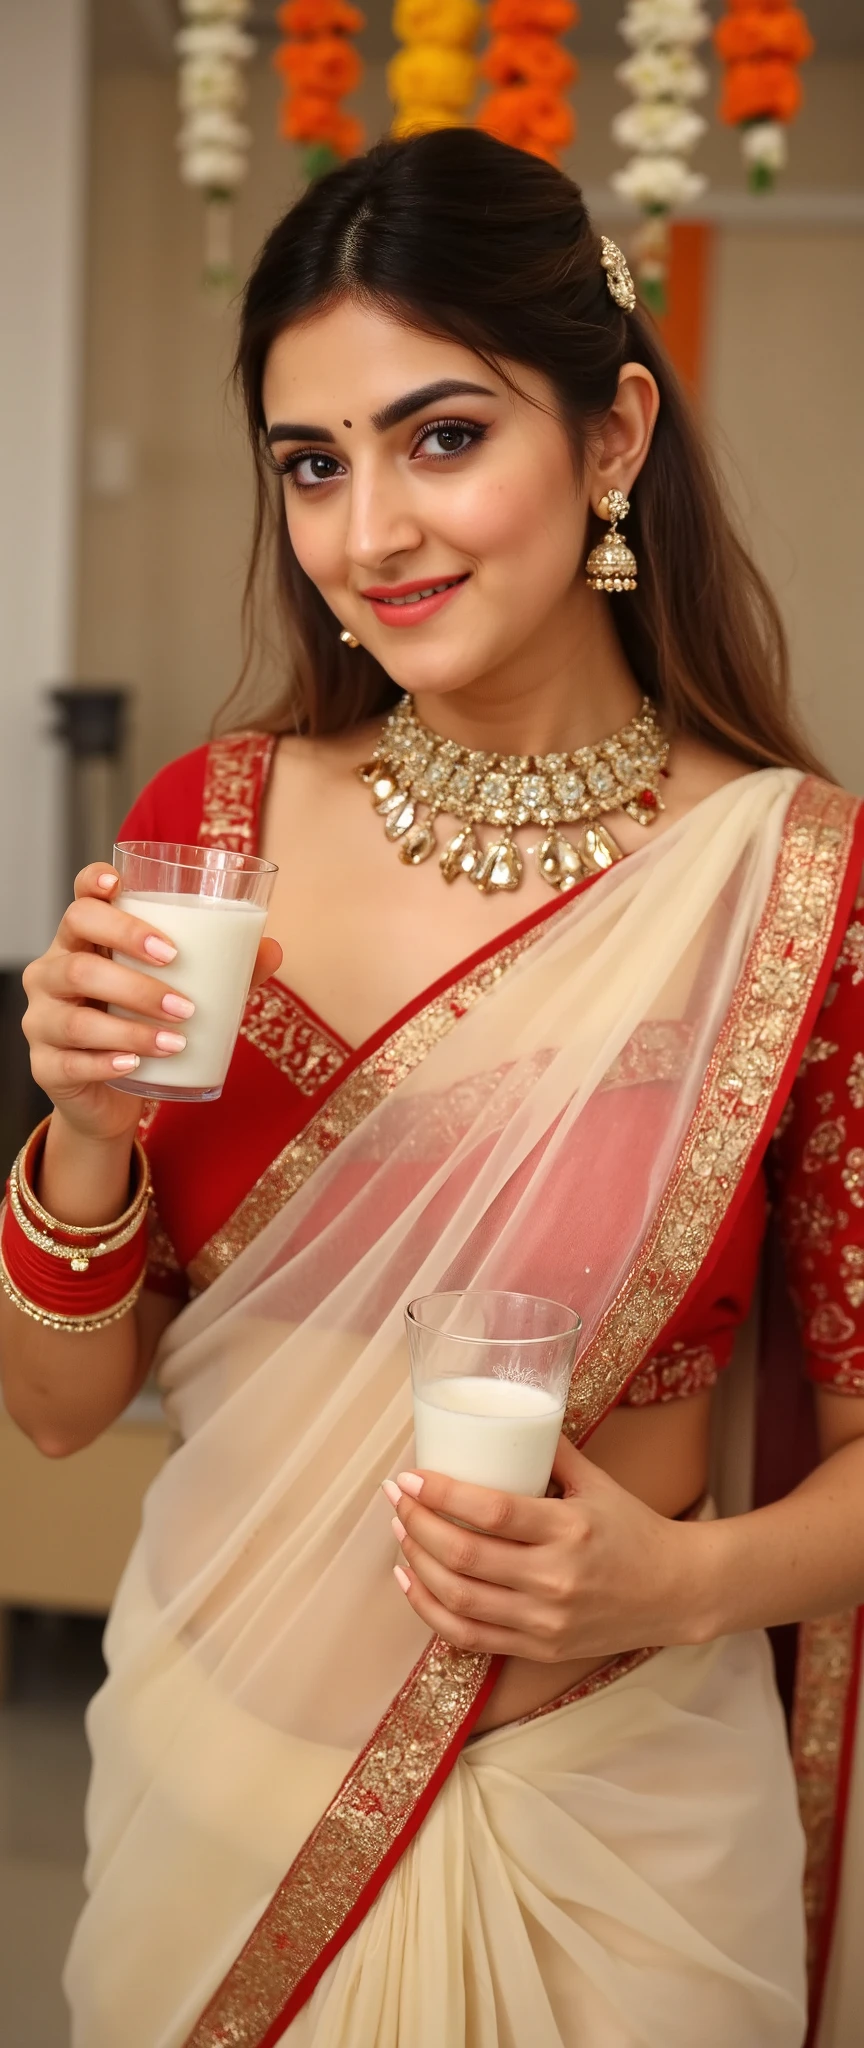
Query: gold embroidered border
column 739, row 1089
column 596, row 1681
column 237, row 767
column 278, row 1026
column 824, row 1675
column 353, row 1100
column 360, row 1826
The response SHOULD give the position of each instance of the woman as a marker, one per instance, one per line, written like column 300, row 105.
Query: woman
column 535, row 1787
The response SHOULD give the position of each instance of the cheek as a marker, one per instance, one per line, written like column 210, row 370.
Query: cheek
column 531, row 517
column 316, row 540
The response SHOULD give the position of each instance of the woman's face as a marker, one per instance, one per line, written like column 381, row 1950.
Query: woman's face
column 410, row 465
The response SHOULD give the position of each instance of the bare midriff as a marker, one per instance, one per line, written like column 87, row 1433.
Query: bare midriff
column 660, row 1454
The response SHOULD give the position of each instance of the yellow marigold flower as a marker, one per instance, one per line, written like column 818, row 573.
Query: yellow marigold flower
column 426, row 74
column 455, row 22
column 422, row 120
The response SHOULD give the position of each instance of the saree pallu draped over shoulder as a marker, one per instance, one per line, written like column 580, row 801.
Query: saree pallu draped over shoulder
column 276, row 1726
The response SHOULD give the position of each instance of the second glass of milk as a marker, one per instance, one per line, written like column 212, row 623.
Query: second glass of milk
column 490, row 1373
column 212, row 905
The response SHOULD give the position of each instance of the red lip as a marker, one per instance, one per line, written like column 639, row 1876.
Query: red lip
column 407, row 589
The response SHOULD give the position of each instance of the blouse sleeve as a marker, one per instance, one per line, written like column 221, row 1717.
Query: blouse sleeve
column 817, row 1173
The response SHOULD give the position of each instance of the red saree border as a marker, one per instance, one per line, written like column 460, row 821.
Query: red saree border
column 341, row 1868
column 827, row 1686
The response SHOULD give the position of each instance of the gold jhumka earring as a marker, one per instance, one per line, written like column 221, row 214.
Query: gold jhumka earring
column 612, row 564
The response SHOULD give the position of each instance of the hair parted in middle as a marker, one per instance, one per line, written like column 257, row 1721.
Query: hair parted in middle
column 456, row 234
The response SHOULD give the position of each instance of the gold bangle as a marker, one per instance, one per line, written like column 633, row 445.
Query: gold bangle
column 37, row 1214
column 80, row 1326
column 77, row 1255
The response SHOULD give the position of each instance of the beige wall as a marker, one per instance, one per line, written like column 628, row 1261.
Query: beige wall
column 162, row 565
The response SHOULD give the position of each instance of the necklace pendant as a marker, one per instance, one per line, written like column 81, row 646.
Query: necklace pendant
column 500, row 867
column 598, row 848
column 400, row 815
column 417, row 844
column 560, row 862
column 460, row 855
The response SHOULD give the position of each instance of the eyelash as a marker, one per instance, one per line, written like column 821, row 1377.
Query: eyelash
column 291, row 463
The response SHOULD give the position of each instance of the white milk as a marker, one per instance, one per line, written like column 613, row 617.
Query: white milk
column 491, row 1432
column 217, row 940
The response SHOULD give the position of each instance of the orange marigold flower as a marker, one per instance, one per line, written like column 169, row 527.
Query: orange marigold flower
column 324, row 64
column 546, row 17
column 311, row 117
column 519, row 111
column 766, row 91
column 319, row 18
column 781, row 33
column 537, row 59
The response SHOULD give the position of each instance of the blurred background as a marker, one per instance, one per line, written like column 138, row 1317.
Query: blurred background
column 124, row 520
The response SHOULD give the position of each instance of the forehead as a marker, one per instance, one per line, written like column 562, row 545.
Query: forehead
column 351, row 359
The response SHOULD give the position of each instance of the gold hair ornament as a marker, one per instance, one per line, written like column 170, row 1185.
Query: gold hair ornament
column 618, row 276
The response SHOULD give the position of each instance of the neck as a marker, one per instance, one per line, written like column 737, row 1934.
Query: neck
column 568, row 687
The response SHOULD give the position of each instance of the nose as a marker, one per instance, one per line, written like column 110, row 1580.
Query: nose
column 381, row 522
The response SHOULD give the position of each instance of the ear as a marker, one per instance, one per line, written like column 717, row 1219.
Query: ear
column 625, row 437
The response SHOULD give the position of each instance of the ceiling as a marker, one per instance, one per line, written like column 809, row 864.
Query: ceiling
column 137, row 34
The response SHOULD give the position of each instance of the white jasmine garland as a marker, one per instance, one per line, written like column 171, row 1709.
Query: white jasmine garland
column 203, row 10
column 663, row 74
column 654, row 181
column 658, row 125
column 670, row 22
column 211, row 83
column 213, row 144
column 764, row 142
column 215, row 39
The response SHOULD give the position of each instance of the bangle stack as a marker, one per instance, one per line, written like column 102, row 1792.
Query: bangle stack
column 71, row 1276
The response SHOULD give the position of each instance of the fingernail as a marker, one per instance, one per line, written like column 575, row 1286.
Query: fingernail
column 391, row 1490
column 125, row 1061
column 159, row 949
column 409, row 1482
column 170, row 1041
column 178, row 1006
column 401, row 1578
column 106, row 881
column 397, row 1529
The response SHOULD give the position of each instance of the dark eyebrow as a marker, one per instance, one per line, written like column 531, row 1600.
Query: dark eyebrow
column 391, row 415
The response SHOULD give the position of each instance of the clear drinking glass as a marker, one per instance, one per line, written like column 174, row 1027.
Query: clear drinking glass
column 490, row 1372
column 212, row 905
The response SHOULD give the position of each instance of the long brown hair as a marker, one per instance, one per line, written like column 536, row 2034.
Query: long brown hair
column 459, row 235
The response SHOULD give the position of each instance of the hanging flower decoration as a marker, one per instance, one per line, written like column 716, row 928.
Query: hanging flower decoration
column 761, row 42
column 433, row 78
column 319, row 66
column 529, row 71
column 661, row 126
column 213, row 142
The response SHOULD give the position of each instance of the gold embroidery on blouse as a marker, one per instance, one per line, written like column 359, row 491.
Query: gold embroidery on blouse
column 855, row 1081
column 823, row 1145
column 655, row 1051
column 852, row 1176
column 852, row 1273
column 818, row 1049
column 237, row 765
column 823, row 1682
column 277, row 1025
column 673, row 1375
column 743, row 1074
column 852, row 952
column 812, row 1222
column 830, row 1325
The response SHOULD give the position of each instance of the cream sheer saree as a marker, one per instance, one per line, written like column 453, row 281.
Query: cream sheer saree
column 276, row 1726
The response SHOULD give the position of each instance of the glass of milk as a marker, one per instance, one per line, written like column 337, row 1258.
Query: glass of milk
column 490, row 1373
column 212, row 905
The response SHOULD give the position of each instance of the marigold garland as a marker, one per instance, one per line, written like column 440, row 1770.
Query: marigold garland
column 662, row 126
column 318, row 66
column 530, row 73
column 761, row 42
column 214, row 142
column 433, row 78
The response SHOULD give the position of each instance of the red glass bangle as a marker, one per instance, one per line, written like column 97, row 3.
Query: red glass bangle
column 51, row 1284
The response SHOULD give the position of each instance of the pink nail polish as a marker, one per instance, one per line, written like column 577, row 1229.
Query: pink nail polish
column 124, row 1062
column 159, row 949
column 106, row 881
column 397, row 1529
column 401, row 1578
column 391, row 1491
column 178, row 1006
column 170, row 1041
column 410, row 1483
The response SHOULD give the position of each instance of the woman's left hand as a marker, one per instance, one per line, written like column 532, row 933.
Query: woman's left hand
column 587, row 1575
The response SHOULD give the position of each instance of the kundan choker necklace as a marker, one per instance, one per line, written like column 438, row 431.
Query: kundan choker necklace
column 413, row 768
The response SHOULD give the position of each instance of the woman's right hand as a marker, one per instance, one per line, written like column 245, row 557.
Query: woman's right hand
column 75, row 1047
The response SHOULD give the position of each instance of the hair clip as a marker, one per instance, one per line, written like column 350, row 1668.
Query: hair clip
column 618, row 277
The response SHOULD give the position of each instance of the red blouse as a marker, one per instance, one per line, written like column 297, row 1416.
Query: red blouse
column 287, row 1059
